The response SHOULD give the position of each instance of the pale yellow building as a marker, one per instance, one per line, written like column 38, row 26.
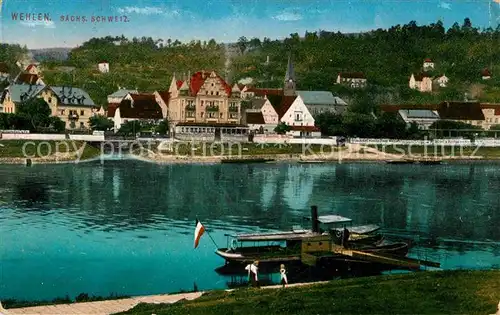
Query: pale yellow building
column 72, row 105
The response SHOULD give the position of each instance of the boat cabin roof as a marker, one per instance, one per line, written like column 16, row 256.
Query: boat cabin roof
column 328, row 219
column 274, row 236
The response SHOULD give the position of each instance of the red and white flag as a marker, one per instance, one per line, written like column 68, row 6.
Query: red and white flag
column 198, row 232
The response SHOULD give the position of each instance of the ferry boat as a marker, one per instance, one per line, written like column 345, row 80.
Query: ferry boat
column 286, row 246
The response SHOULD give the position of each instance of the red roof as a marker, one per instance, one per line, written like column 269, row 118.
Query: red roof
column 263, row 92
column 241, row 86
column 428, row 60
column 255, row 118
column 421, row 76
column 28, row 68
column 112, row 108
column 198, row 79
column 486, row 72
column 304, row 128
column 165, row 95
column 179, row 83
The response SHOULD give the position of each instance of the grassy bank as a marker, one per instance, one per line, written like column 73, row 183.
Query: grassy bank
column 448, row 292
column 441, row 151
column 50, row 150
column 244, row 149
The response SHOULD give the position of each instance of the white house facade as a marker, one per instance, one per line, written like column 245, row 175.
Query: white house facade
column 103, row 67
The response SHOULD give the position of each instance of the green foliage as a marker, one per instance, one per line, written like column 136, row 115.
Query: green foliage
column 100, row 122
column 36, row 111
column 440, row 292
column 282, row 128
column 56, row 124
column 137, row 63
column 394, row 54
column 330, row 124
column 163, row 127
column 495, row 127
column 130, row 128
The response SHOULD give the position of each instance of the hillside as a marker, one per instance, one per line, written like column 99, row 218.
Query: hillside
column 386, row 56
column 144, row 64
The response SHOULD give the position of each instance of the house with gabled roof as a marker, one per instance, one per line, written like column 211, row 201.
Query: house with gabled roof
column 428, row 64
column 15, row 94
column 486, row 74
column 103, row 66
column 140, row 106
column 205, row 97
column 352, row 79
column 72, row 105
column 118, row 96
column 162, row 98
column 421, row 82
column 32, row 69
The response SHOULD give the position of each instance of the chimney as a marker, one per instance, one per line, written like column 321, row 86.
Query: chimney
column 314, row 219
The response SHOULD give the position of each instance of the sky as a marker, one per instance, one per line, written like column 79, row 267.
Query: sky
column 223, row 20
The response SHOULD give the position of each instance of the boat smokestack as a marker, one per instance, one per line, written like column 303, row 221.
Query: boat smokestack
column 314, row 219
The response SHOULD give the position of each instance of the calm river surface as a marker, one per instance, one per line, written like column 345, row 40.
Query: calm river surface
column 126, row 227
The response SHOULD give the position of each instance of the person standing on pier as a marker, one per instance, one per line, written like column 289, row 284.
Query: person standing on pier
column 284, row 279
column 253, row 270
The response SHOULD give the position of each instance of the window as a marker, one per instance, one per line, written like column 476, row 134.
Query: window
column 50, row 99
column 62, row 112
column 201, row 114
column 217, row 93
column 212, row 115
column 82, row 113
column 221, row 115
column 298, row 116
column 82, row 125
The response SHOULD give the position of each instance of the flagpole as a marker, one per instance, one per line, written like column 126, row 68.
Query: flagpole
column 217, row 246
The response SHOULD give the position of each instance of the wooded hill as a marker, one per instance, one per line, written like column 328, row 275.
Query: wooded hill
column 386, row 56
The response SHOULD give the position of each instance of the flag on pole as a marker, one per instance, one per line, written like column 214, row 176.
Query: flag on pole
column 198, row 232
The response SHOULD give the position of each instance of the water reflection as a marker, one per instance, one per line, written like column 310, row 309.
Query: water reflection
column 125, row 215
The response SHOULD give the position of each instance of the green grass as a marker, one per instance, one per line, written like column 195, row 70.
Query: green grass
column 36, row 149
column 447, row 292
column 465, row 152
column 216, row 149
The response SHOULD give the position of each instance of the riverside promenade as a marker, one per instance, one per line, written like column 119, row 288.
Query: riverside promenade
column 116, row 306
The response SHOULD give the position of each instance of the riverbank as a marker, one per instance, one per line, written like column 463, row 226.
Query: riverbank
column 433, row 292
column 443, row 292
column 46, row 152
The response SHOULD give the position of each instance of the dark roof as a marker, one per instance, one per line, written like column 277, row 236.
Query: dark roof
column 27, row 78
column 145, row 107
column 255, row 118
column 281, row 103
column 4, row 68
column 257, row 103
column 396, row 108
column 419, row 113
column 112, row 108
column 195, row 124
column 420, row 76
column 352, row 75
column 165, row 95
column 460, row 111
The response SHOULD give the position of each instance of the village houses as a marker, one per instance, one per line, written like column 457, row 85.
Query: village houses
column 72, row 105
column 135, row 106
column 352, row 79
column 103, row 66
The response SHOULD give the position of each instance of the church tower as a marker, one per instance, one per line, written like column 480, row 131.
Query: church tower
column 289, row 84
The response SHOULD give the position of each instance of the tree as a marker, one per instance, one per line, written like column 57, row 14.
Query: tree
column 36, row 111
column 130, row 128
column 282, row 128
column 242, row 44
column 390, row 125
column 56, row 124
column 359, row 125
column 163, row 127
column 330, row 124
column 100, row 122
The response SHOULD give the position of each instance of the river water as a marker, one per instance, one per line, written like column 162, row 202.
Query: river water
column 126, row 227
